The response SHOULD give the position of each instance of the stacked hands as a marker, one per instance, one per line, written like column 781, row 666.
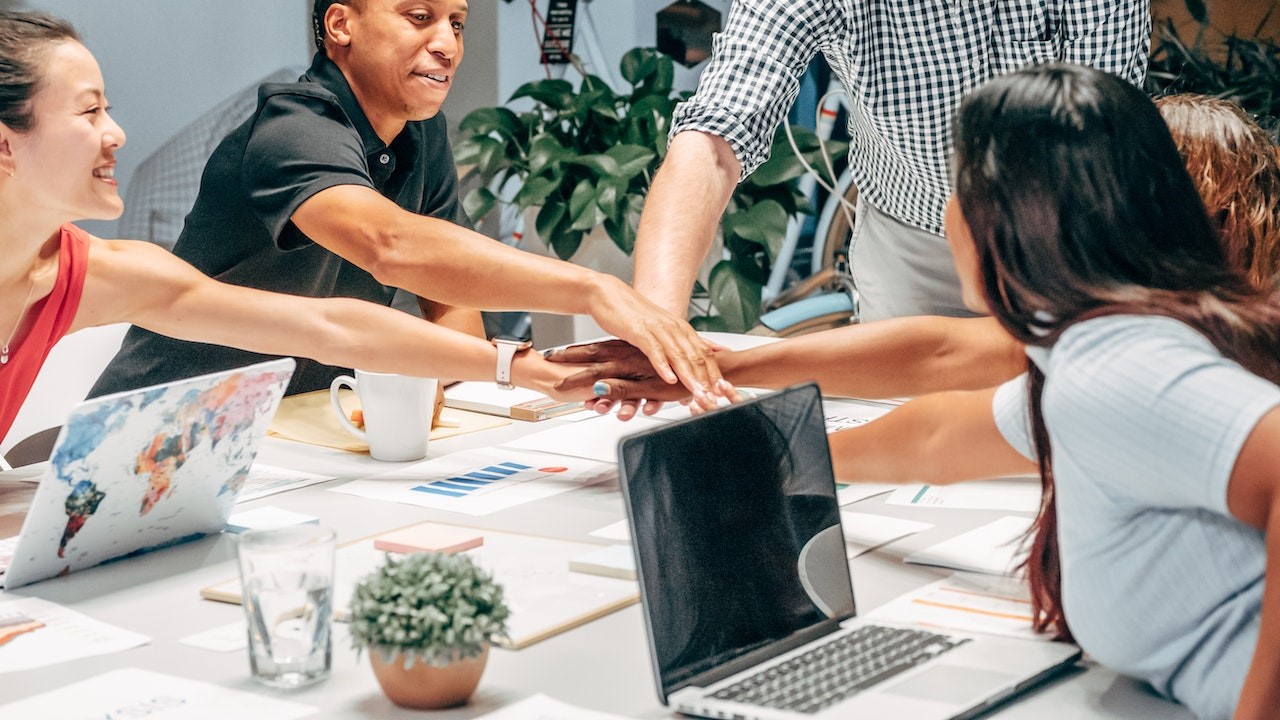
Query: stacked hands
column 620, row 373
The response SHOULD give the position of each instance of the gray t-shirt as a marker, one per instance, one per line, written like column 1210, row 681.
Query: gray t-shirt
column 303, row 138
column 1160, row 581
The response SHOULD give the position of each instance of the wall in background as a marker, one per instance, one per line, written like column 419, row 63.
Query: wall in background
column 166, row 62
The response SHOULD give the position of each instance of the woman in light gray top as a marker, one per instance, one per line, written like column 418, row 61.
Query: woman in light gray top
column 1151, row 403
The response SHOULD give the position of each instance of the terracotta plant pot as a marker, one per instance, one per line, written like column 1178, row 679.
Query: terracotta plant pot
column 425, row 686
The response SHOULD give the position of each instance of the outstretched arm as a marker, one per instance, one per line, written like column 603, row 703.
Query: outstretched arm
column 437, row 259
column 681, row 215
column 889, row 358
column 1253, row 497
column 938, row 439
column 142, row 284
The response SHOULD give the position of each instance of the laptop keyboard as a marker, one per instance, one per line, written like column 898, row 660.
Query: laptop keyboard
column 835, row 670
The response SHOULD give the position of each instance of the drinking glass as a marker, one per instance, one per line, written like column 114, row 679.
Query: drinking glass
column 286, row 580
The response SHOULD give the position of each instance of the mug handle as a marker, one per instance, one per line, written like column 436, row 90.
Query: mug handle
column 337, row 384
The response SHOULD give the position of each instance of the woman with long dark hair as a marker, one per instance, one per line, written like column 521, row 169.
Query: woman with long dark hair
column 1150, row 406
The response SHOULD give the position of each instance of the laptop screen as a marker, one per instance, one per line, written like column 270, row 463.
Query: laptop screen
column 737, row 531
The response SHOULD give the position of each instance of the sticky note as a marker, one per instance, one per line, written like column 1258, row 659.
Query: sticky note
column 429, row 538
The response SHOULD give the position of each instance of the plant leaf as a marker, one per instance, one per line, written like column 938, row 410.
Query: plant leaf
column 636, row 65
column 566, row 243
column 584, row 213
column 631, row 160
column 534, row 191
column 544, row 151
column 764, row 223
column 555, row 94
column 736, row 297
column 1198, row 11
column 602, row 165
column 550, row 222
column 478, row 203
column 484, row 121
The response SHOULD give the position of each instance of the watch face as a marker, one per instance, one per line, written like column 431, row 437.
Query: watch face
column 519, row 342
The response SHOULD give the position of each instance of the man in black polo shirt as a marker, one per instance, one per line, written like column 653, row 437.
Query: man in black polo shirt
column 343, row 184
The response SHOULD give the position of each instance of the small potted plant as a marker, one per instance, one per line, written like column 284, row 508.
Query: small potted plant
column 427, row 620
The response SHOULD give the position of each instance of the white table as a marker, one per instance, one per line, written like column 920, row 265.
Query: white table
column 602, row 665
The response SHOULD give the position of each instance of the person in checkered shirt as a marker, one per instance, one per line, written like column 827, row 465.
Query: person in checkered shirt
column 905, row 66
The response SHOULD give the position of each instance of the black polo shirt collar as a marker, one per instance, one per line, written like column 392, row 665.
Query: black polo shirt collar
column 381, row 158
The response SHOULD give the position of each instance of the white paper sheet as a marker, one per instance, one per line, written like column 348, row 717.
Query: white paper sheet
column 594, row 439
column 542, row 707
column 864, row 531
column 267, row 480
column 613, row 531
column 1018, row 495
column 133, row 693
column 57, row 634
column 995, row 548
column 224, row 638
column 853, row 492
column 481, row 481
column 966, row 602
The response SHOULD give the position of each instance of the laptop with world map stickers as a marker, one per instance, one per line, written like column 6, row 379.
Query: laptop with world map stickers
column 146, row 469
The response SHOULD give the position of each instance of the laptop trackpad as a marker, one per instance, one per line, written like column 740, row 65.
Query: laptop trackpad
column 951, row 684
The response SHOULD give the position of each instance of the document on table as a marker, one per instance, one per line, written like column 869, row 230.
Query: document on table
column 481, row 481
column 1018, row 495
column 865, row 531
column 966, row 602
column 35, row 633
column 613, row 531
column 543, row 707
column 134, row 693
column 848, row 493
column 995, row 548
column 267, row 480
column 594, row 439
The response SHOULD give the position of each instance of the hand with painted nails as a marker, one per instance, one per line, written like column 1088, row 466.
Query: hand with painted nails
column 617, row 371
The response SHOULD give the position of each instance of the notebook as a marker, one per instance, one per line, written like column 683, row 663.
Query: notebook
column 746, row 592
column 145, row 469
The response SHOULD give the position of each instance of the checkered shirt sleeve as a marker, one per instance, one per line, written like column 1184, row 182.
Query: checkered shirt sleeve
column 905, row 64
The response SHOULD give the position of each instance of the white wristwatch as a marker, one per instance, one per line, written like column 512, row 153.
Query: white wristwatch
column 507, row 349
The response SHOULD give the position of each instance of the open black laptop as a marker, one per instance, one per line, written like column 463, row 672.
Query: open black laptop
column 746, row 590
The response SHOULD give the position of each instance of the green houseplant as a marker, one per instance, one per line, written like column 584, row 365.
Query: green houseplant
column 585, row 157
column 427, row 620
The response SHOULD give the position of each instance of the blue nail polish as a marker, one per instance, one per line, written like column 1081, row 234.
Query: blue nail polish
column 600, row 388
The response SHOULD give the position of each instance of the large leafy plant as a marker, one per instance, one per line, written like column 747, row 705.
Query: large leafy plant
column 585, row 157
column 432, row 607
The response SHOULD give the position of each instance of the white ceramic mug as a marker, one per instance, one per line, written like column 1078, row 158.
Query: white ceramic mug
column 397, row 413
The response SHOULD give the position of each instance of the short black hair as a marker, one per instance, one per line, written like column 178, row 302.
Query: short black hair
column 318, row 9
column 24, row 36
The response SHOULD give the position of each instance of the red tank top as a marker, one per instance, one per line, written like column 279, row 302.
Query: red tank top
column 52, row 317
